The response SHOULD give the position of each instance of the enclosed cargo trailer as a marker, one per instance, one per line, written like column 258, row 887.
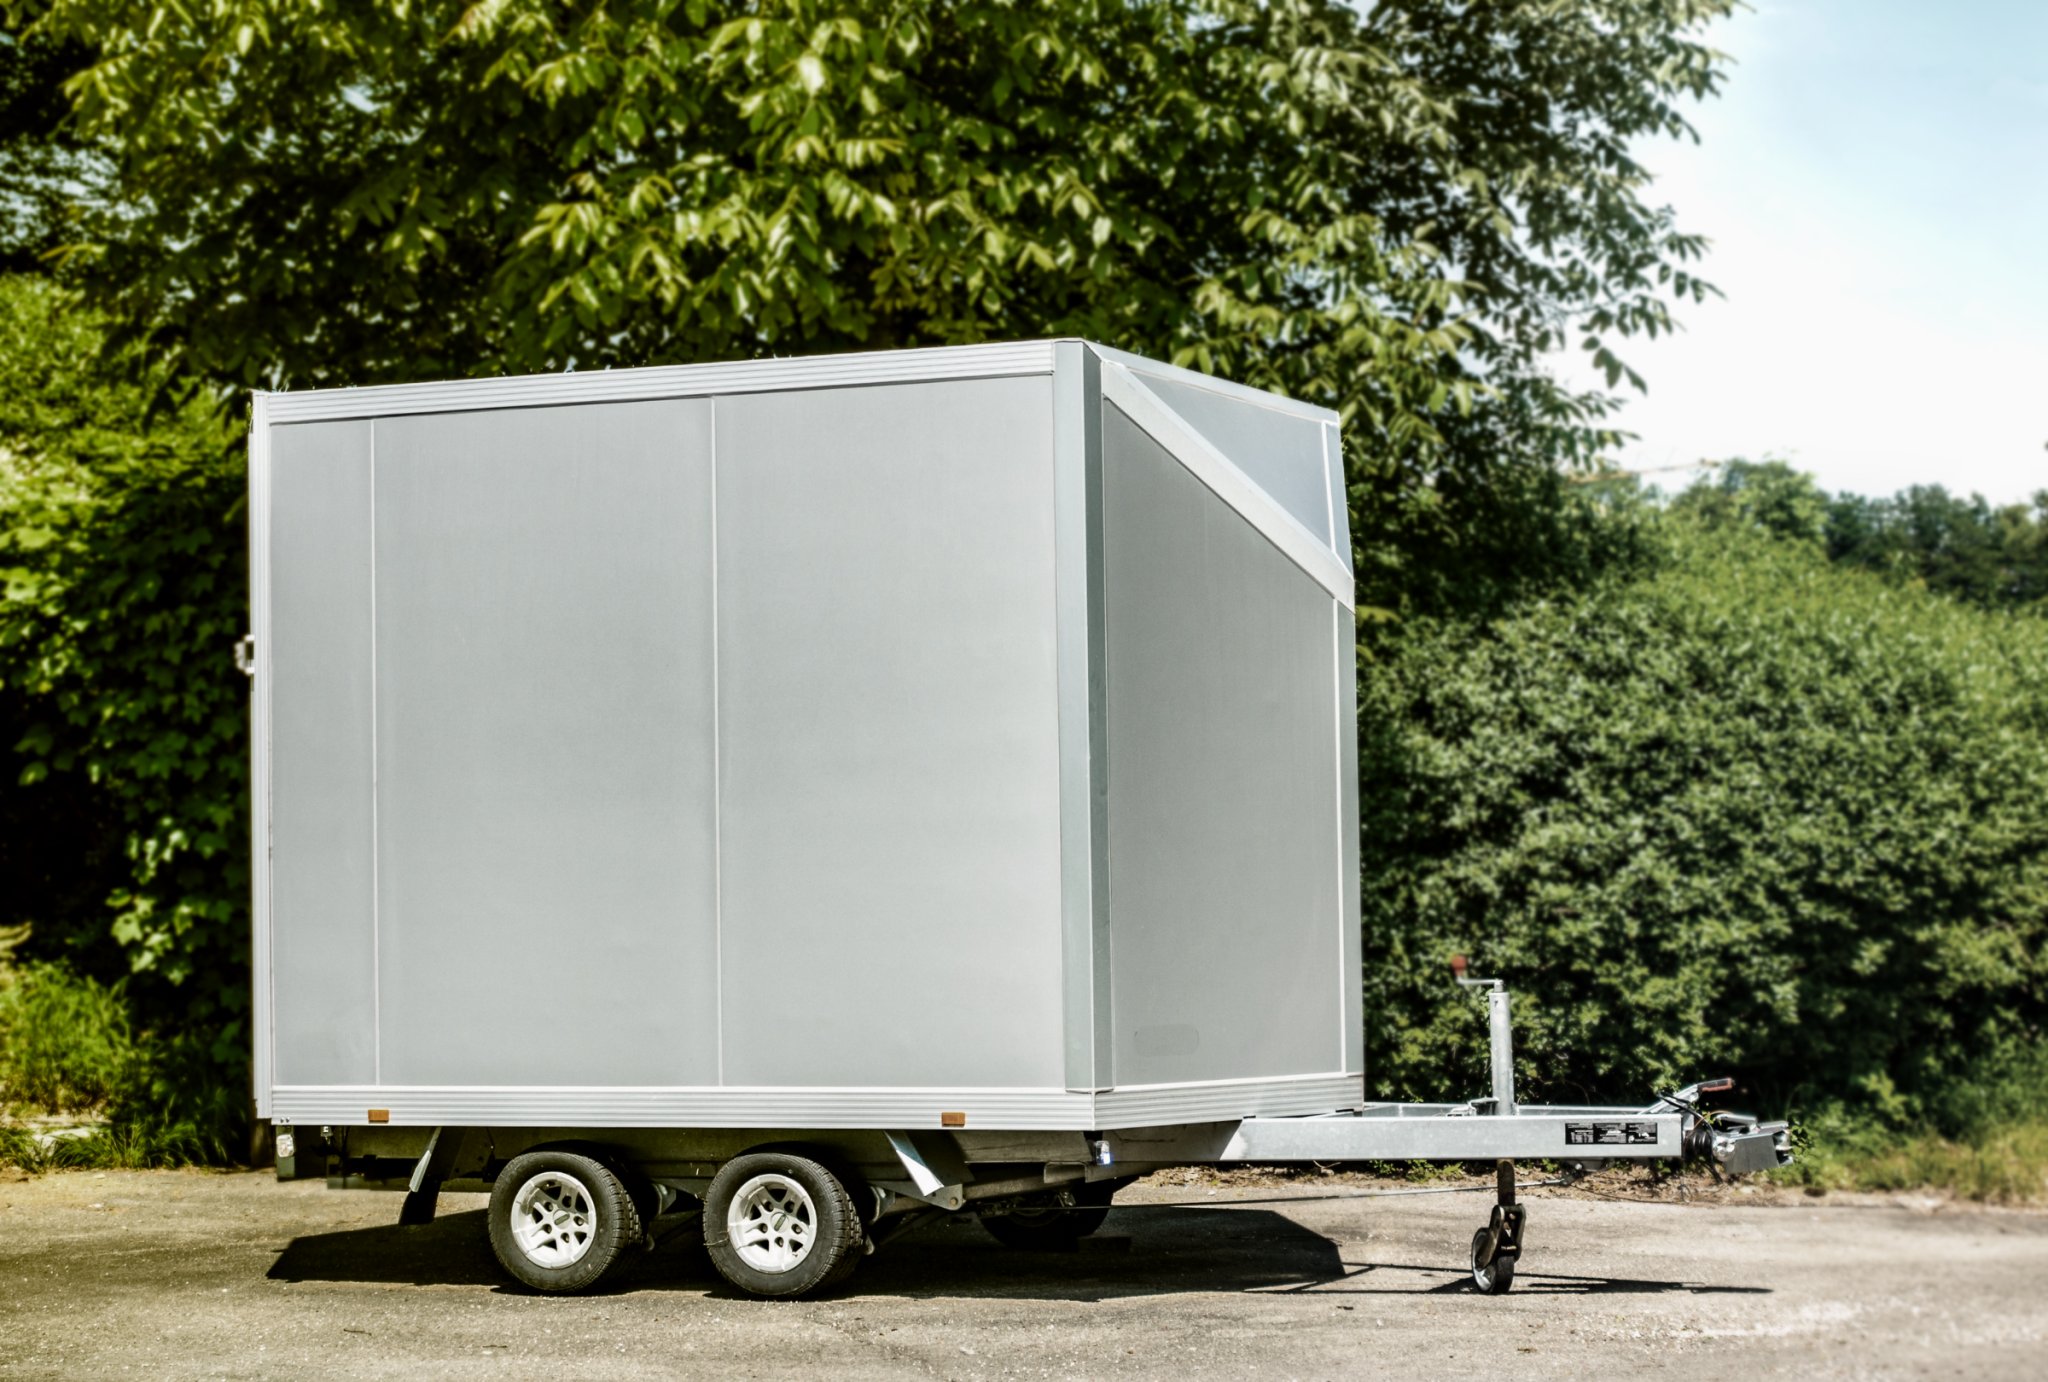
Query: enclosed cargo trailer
column 808, row 792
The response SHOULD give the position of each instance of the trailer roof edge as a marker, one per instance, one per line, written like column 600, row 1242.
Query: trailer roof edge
column 926, row 365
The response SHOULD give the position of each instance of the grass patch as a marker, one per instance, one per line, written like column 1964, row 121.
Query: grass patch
column 1994, row 1165
column 67, row 1055
column 133, row 1147
column 65, row 1044
column 1984, row 1137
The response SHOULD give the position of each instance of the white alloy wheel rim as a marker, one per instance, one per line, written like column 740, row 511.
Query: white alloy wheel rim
column 772, row 1223
column 554, row 1219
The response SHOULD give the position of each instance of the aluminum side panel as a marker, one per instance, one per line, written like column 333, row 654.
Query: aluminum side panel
column 1281, row 452
column 1224, row 857
column 889, row 726
column 546, row 827
column 323, row 941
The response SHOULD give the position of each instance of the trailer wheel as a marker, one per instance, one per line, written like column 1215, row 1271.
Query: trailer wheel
column 1495, row 1277
column 559, row 1221
column 778, row 1224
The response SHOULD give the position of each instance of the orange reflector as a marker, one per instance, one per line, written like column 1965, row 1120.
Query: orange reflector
column 952, row 1120
column 380, row 1115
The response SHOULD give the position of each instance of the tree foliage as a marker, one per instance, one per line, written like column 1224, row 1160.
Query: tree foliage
column 1398, row 212
column 1995, row 557
column 44, row 169
column 1992, row 556
column 123, row 551
column 1758, row 496
column 1749, row 812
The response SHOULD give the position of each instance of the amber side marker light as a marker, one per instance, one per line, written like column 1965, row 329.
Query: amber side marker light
column 952, row 1120
column 380, row 1115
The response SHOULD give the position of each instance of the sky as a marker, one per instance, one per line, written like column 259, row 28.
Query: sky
column 1874, row 178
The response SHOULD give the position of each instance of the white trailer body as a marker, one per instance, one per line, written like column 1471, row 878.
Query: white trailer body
column 832, row 742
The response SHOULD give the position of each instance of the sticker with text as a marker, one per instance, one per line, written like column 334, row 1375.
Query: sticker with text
column 1610, row 1134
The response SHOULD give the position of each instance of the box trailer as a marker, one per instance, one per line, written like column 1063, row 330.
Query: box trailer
column 801, row 796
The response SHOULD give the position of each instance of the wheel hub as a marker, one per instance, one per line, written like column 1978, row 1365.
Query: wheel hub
column 554, row 1219
column 772, row 1224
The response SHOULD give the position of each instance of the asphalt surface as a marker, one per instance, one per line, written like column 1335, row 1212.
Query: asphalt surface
column 172, row 1274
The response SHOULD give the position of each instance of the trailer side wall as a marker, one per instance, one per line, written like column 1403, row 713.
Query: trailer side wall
column 701, row 742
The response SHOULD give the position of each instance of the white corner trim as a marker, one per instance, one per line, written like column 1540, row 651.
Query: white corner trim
column 261, row 1015
column 1227, row 482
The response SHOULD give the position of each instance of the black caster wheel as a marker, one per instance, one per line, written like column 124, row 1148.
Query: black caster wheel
column 1495, row 1277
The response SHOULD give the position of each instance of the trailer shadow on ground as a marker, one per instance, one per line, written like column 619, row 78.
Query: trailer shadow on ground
column 1143, row 1251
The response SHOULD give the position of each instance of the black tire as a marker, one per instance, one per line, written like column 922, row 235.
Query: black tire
column 1495, row 1277
column 1054, row 1227
column 817, row 1235
column 595, row 1220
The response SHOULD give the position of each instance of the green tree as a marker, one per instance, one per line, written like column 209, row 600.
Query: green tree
column 1764, row 496
column 1400, row 213
column 1993, row 557
column 123, row 552
column 44, row 170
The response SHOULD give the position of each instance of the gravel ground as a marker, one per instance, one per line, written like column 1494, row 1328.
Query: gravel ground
column 186, row 1274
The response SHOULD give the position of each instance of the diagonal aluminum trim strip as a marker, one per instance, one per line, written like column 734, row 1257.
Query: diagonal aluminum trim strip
column 1436, row 1139
column 1227, row 482
column 1244, row 393
column 1013, row 1110
column 666, row 381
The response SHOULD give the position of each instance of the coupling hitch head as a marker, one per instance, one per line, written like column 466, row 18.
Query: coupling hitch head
column 1736, row 1142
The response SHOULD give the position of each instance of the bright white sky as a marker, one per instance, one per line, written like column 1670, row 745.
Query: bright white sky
column 1875, row 181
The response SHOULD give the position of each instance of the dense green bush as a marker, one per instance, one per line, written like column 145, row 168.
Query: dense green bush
column 1749, row 813
column 123, row 551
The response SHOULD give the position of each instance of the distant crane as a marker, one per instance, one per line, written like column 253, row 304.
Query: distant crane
column 1632, row 474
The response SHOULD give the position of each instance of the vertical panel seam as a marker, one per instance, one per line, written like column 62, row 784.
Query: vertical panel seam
column 376, row 842
column 717, row 782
